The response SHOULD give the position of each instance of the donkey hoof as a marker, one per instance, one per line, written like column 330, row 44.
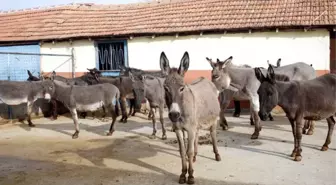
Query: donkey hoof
column 293, row 154
column 237, row 115
column 255, row 136
column 225, row 127
column 310, row 132
column 304, row 131
column 164, row 137
column 110, row 133
column 298, row 158
column 31, row 125
column 271, row 119
column 75, row 135
column 182, row 179
column 324, row 148
column 191, row 180
column 218, row 157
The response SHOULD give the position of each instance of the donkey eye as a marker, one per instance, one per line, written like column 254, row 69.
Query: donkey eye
column 181, row 89
column 215, row 76
column 50, row 87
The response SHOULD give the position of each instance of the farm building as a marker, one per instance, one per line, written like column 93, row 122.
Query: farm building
column 106, row 36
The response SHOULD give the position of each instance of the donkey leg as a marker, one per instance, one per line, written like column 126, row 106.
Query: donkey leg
column 75, row 119
column 255, row 108
column 311, row 125
column 114, row 118
column 305, row 127
column 53, row 109
column 163, row 127
column 131, row 107
column 153, row 136
column 195, row 146
column 331, row 124
column 213, row 134
column 292, row 122
column 123, row 110
column 179, row 136
column 299, row 124
column 270, row 117
column 237, row 108
column 222, row 120
column 190, row 153
column 29, row 111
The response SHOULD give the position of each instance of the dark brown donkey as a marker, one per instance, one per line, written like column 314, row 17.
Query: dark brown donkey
column 191, row 107
column 310, row 100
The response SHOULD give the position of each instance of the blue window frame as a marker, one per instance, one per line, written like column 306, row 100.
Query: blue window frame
column 110, row 55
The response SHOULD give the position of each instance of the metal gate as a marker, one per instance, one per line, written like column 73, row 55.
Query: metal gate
column 14, row 67
column 14, row 63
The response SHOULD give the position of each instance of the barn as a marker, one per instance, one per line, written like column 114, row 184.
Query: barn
column 106, row 36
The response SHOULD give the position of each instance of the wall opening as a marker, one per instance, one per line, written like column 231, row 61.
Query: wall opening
column 332, row 51
column 111, row 56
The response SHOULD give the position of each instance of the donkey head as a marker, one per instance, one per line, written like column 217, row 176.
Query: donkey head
column 219, row 74
column 174, row 85
column 31, row 77
column 268, row 94
column 48, row 89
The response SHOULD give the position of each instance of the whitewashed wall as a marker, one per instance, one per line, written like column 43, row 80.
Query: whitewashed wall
column 84, row 52
column 254, row 49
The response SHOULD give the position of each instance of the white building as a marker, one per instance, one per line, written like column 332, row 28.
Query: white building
column 134, row 35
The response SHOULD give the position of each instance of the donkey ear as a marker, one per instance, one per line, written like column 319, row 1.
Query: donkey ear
column 259, row 74
column 279, row 62
column 270, row 74
column 29, row 73
column 184, row 64
column 164, row 63
column 226, row 62
column 212, row 64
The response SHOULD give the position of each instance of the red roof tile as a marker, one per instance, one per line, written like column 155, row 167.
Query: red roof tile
column 80, row 20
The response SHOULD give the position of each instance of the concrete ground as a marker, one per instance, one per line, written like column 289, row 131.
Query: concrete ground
column 46, row 154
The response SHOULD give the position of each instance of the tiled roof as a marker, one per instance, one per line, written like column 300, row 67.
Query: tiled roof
column 83, row 20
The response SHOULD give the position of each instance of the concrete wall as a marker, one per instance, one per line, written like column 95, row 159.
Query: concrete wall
column 84, row 52
column 253, row 49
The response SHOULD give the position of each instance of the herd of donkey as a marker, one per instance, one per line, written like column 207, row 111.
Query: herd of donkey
column 302, row 95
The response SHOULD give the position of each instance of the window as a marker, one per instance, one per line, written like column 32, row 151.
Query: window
column 111, row 55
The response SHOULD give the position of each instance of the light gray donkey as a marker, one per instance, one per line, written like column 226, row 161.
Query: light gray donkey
column 191, row 107
column 15, row 93
column 88, row 98
column 245, row 84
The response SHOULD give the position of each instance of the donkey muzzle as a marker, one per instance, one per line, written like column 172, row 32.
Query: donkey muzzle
column 47, row 96
column 174, row 116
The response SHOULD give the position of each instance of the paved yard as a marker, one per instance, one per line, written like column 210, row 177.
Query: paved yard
column 47, row 155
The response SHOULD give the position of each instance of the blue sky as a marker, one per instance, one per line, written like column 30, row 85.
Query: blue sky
column 21, row 4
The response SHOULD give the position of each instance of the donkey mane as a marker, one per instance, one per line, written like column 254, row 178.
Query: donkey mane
column 281, row 77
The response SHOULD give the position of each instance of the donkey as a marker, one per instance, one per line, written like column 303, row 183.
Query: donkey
column 245, row 84
column 191, row 107
column 87, row 98
column 311, row 100
column 237, row 103
column 15, row 93
column 137, row 73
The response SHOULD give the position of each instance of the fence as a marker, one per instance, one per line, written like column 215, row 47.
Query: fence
column 14, row 66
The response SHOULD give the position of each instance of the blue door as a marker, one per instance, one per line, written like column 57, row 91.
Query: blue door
column 14, row 67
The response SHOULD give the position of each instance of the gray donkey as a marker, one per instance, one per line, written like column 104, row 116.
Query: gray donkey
column 87, row 98
column 15, row 93
column 154, row 93
column 244, row 84
column 311, row 100
column 191, row 107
